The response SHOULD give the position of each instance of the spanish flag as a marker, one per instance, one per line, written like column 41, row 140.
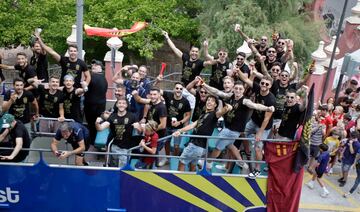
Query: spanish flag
column 104, row 32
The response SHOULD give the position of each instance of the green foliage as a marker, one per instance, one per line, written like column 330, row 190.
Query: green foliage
column 257, row 18
column 20, row 18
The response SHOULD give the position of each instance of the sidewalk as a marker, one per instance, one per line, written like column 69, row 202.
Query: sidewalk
column 312, row 201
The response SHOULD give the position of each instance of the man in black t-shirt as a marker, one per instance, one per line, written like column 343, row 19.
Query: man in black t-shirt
column 192, row 65
column 203, row 126
column 71, row 97
column 40, row 62
column 291, row 115
column 179, row 112
column 17, row 102
column 263, row 45
column 240, row 63
column 51, row 105
column 200, row 98
column 219, row 68
column 16, row 136
column 70, row 65
column 261, row 122
column 26, row 71
column 95, row 97
column 121, row 128
column 235, row 120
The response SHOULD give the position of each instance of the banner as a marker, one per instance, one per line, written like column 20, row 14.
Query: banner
column 284, row 185
column 104, row 32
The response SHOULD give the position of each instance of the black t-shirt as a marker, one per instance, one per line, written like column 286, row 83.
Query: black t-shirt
column 72, row 108
column 75, row 69
column 199, row 107
column 121, row 129
column 49, row 103
column 155, row 113
column 262, row 52
column 20, row 108
column 20, row 131
column 175, row 108
column 290, row 119
column 218, row 72
column 205, row 126
column 40, row 62
column 97, row 89
column 268, row 100
column 237, row 118
column 79, row 133
column 244, row 69
column 280, row 94
column 191, row 69
column 26, row 73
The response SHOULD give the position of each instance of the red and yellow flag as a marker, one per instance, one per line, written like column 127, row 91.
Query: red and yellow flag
column 104, row 32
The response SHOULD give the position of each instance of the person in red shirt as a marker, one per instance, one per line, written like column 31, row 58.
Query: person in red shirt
column 326, row 119
column 148, row 145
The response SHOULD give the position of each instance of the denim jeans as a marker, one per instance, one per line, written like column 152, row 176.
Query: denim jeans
column 357, row 180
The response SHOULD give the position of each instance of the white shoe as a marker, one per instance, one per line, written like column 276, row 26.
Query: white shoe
column 346, row 194
column 200, row 163
column 242, row 164
column 325, row 193
column 330, row 171
column 163, row 162
column 310, row 184
column 221, row 167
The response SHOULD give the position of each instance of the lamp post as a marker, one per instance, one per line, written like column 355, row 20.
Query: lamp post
column 113, row 60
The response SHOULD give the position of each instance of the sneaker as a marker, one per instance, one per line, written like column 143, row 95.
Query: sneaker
column 310, row 184
column 163, row 162
column 200, row 163
column 254, row 174
column 221, row 167
column 346, row 194
column 342, row 183
column 330, row 171
column 324, row 193
column 341, row 180
column 242, row 164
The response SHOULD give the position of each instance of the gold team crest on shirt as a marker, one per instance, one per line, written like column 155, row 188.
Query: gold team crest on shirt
column 115, row 121
column 77, row 67
column 25, row 100
column 126, row 120
column 55, row 99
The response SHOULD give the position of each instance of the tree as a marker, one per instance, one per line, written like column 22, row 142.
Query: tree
column 19, row 18
column 257, row 18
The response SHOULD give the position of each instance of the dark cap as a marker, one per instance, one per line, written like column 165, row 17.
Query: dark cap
column 323, row 107
column 97, row 62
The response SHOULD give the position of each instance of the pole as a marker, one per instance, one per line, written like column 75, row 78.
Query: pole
column 79, row 26
column 343, row 70
column 333, row 52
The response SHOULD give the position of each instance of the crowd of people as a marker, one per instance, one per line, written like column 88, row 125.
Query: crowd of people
column 257, row 97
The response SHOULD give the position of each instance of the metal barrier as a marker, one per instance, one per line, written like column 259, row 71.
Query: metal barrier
column 129, row 154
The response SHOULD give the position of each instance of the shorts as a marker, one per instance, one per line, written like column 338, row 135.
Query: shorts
column 222, row 144
column 318, row 173
column 345, row 167
column 314, row 151
column 118, row 160
column 251, row 129
column 76, row 145
column 191, row 154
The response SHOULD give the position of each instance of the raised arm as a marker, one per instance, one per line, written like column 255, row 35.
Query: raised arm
column 191, row 86
column 206, row 51
column 172, row 45
column 243, row 35
column 139, row 99
column 220, row 112
column 256, row 106
column 216, row 92
column 243, row 77
column 49, row 50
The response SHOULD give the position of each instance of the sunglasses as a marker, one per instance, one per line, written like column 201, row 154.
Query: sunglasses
column 240, row 58
column 222, row 54
column 276, row 70
column 281, row 43
column 270, row 51
column 290, row 97
column 264, row 83
column 203, row 92
column 263, row 39
column 284, row 75
column 179, row 88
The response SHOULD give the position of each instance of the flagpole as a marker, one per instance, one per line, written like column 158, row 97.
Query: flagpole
column 79, row 27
